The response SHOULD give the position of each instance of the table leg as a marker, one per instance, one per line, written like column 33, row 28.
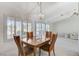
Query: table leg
column 34, row 51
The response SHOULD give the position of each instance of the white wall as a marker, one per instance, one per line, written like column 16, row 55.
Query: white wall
column 69, row 25
column 1, row 29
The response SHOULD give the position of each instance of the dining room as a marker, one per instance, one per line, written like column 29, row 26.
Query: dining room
column 39, row 28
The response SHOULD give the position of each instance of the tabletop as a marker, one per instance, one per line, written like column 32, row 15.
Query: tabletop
column 35, row 42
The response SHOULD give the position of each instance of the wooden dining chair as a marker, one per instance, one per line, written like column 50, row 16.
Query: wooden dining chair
column 49, row 46
column 29, row 35
column 48, row 34
column 22, row 51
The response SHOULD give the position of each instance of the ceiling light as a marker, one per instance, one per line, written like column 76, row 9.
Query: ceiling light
column 41, row 15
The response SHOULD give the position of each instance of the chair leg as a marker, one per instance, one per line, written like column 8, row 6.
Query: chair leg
column 39, row 51
column 49, row 53
column 53, row 52
column 18, row 53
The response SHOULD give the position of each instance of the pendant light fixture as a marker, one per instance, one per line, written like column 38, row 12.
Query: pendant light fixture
column 41, row 15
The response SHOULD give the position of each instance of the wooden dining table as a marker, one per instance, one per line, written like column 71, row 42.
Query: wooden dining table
column 35, row 43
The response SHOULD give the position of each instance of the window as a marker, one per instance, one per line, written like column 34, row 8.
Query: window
column 29, row 27
column 43, row 29
column 38, row 30
column 18, row 28
column 47, row 27
column 24, row 29
column 10, row 28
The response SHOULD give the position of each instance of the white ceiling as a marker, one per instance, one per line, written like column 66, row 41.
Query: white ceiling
column 53, row 11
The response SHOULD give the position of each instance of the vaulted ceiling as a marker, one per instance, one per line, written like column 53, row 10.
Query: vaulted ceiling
column 53, row 11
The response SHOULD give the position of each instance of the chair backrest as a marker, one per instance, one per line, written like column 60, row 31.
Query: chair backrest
column 53, row 40
column 29, row 35
column 18, row 43
column 48, row 34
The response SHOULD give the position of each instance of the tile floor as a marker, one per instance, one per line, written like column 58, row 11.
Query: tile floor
column 63, row 47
